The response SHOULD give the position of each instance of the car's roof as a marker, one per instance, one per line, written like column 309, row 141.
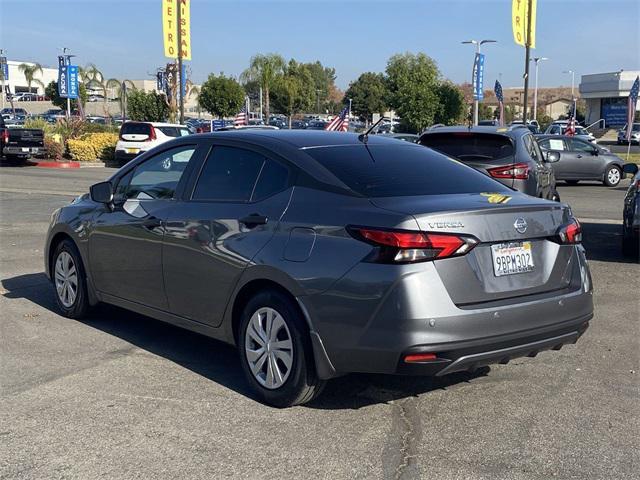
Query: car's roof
column 487, row 129
column 303, row 139
column 551, row 135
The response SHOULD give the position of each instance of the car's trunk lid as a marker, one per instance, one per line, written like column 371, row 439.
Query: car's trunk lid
column 496, row 220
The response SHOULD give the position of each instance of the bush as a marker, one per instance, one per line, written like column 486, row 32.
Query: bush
column 93, row 146
column 54, row 150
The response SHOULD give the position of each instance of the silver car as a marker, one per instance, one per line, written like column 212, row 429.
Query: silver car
column 561, row 129
column 322, row 253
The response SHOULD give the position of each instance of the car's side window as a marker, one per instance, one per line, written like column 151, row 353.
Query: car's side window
column 580, row 146
column 532, row 148
column 157, row 177
column 274, row 178
column 552, row 144
column 229, row 174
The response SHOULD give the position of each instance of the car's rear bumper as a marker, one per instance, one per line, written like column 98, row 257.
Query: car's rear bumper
column 122, row 157
column 23, row 151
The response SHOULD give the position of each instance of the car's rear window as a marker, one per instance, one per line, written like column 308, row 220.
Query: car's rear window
column 134, row 128
column 470, row 146
column 401, row 170
column 174, row 131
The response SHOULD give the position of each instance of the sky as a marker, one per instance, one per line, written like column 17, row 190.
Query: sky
column 124, row 37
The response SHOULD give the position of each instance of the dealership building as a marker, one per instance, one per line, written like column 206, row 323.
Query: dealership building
column 606, row 96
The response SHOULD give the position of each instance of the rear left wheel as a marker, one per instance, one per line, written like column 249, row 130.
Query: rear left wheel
column 276, row 352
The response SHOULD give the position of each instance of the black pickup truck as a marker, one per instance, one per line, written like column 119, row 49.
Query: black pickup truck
column 17, row 144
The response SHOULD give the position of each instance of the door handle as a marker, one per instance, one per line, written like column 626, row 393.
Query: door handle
column 152, row 222
column 253, row 220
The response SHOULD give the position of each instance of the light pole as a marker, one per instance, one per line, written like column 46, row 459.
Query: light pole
column 2, row 60
column 573, row 79
column 478, row 44
column 535, row 91
column 350, row 109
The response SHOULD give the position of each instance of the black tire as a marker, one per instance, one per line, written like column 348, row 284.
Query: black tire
column 80, row 305
column 571, row 182
column 302, row 384
column 610, row 172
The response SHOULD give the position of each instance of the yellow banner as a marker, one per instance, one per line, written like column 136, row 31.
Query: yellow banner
column 519, row 11
column 170, row 28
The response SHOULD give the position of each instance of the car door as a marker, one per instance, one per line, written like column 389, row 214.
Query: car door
column 213, row 233
column 587, row 163
column 543, row 171
column 561, row 167
column 125, row 240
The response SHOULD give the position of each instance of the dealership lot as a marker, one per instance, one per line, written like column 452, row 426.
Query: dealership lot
column 122, row 396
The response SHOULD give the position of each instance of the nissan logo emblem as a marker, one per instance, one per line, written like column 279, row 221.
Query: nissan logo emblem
column 520, row 225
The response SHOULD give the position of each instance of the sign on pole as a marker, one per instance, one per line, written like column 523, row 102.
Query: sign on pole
column 72, row 78
column 519, row 22
column 5, row 68
column 478, row 77
column 170, row 30
column 63, row 81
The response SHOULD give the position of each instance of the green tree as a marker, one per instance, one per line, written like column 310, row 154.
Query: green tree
column 451, row 102
column 29, row 71
column 368, row 95
column 293, row 92
column 221, row 96
column 485, row 112
column 264, row 69
column 51, row 91
column 323, row 82
column 146, row 106
column 412, row 81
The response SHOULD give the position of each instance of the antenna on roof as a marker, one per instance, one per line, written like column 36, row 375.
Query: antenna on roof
column 363, row 137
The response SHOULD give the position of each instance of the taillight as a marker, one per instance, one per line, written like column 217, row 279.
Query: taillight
column 570, row 234
column 5, row 136
column 401, row 246
column 152, row 134
column 518, row 171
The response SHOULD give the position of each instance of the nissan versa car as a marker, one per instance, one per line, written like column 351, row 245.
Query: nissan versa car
column 509, row 154
column 323, row 253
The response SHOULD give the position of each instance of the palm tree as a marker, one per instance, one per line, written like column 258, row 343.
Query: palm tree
column 116, row 85
column 93, row 79
column 264, row 69
column 29, row 71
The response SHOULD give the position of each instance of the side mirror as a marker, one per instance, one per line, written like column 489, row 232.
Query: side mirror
column 595, row 152
column 552, row 156
column 102, row 192
column 631, row 168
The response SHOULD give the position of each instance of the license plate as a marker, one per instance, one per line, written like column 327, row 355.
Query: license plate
column 133, row 150
column 25, row 149
column 511, row 258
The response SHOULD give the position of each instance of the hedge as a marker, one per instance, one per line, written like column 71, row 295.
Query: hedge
column 93, row 146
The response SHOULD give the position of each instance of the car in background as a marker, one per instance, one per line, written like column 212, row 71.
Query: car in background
column 631, row 213
column 14, row 112
column 406, row 137
column 635, row 135
column 138, row 137
column 582, row 160
column 230, row 128
column 317, row 125
column 18, row 144
column 299, row 124
column 318, row 254
column 510, row 155
column 489, row 123
column 558, row 128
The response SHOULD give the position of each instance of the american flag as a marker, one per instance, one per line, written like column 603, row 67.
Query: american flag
column 340, row 123
column 499, row 95
column 571, row 125
column 631, row 107
column 241, row 118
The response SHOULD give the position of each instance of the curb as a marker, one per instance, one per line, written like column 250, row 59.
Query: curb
column 57, row 164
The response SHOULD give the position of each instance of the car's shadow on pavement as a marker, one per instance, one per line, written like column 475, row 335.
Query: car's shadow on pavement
column 220, row 362
column 603, row 242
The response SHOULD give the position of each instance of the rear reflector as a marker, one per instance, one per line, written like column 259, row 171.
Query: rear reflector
column 518, row 171
column 401, row 246
column 419, row 357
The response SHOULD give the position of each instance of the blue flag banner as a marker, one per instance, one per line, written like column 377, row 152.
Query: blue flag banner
column 72, row 88
column 5, row 68
column 478, row 77
column 63, row 81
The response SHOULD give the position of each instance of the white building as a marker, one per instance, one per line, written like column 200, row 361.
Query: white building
column 18, row 83
column 606, row 96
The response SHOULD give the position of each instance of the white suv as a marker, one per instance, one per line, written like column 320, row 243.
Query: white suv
column 138, row 137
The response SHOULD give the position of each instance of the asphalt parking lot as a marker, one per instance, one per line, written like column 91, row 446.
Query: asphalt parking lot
column 119, row 395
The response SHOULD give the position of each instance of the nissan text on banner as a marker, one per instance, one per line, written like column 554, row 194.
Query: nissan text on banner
column 170, row 31
column 519, row 22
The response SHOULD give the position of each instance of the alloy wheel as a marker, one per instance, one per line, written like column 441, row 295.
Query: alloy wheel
column 268, row 348
column 613, row 176
column 66, row 279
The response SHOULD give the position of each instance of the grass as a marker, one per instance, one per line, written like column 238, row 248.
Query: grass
column 633, row 157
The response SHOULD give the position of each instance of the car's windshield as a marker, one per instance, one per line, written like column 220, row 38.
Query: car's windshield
column 469, row 146
column 401, row 170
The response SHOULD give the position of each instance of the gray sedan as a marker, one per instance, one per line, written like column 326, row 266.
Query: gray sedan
column 582, row 160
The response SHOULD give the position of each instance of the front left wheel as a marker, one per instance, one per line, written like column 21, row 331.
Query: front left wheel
column 69, row 280
column 276, row 352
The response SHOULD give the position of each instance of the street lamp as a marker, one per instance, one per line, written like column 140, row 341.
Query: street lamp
column 573, row 78
column 478, row 44
column 535, row 91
